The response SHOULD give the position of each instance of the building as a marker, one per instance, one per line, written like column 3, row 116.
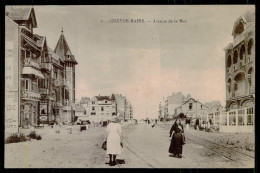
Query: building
column 120, row 105
column 46, row 78
column 129, row 111
column 29, row 67
column 172, row 102
column 240, row 75
column 192, row 108
column 101, row 108
column 58, row 85
column 84, row 103
column 63, row 51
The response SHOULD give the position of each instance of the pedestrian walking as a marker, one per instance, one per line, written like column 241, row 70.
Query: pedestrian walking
column 177, row 139
column 197, row 123
column 114, row 140
column 187, row 123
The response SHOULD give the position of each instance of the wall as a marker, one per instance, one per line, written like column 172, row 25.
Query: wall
column 11, row 76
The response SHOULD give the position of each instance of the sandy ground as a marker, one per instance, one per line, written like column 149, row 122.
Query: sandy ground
column 144, row 147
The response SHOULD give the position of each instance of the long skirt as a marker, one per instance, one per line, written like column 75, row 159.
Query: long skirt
column 113, row 144
column 187, row 127
column 176, row 144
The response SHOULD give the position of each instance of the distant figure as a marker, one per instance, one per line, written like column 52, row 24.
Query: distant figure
column 197, row 123
column 210, row 121
column 155, row 121
column 187, row 123
column 176, row 134
column 114, row 140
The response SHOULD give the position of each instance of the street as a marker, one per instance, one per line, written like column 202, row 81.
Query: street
column 144, row 147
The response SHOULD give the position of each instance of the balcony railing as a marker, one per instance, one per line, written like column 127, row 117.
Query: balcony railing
column 250, row 58
column 57, row 104
column 46, row 66
column 229, row 70
column 29, row 62
column 235, row 66
column 30, row 95
column 242, row 63
column 44, row 91
column 251, row 90
column 35, row 87
column 58, row 82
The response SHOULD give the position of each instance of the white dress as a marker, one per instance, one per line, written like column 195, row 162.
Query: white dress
column 113, row 138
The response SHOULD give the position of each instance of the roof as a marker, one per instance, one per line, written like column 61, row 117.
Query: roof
column 100, row 98
column 189, row 100
column 53, row 54
column 84, row 100
column 21, row 13
column 40, row 41
column 62, row 49
column 79, row 109
column 249, row 16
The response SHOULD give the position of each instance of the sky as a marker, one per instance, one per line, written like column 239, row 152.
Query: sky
column 145, row 62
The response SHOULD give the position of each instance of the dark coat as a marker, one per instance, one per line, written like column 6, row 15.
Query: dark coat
column 176, row 141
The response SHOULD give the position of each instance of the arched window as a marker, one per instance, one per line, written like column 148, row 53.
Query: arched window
column 229, row 61
column 239, row 28
column 250, row 46
column 242, row 52
column 250, row 76
column 229, row 85
column 235, row 57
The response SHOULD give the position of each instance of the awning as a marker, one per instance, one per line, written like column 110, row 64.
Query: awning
column 30, row 70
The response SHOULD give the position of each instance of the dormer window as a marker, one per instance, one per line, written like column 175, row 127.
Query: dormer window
column 239, row 28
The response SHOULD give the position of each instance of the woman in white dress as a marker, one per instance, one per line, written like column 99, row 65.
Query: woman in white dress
column 114, row 137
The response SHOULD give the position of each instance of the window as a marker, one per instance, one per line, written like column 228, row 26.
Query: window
column 102, row 108
column 241, row 120
column 235, row 57
column 27, row 82
column 250, row 47
column 190, row 105
column 232, row 118
column 93, row 103
column 250, row 116
column 93, row 108
column 224, row 119
column 105, row 101
column 201, row 106
column 93, row 113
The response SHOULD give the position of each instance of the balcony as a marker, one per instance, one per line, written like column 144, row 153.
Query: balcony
column 30, row 95
column 58, row 82
column 242, row 63
column 46, row 66
column 44, row 91
column 250, row 58
column 251, row 90
column 30, row 63
column 229, row 70
column 235, row 66
column 57, row 104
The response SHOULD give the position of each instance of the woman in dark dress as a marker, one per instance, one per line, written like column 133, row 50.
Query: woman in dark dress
column 176, row 140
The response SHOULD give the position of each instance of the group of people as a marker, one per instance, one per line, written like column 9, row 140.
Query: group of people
column 114, row 140
column 200, row 124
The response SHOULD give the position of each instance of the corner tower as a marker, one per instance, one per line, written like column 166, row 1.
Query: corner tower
column 62, row 49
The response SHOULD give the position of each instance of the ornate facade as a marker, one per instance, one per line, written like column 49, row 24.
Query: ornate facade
column 240, row 64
